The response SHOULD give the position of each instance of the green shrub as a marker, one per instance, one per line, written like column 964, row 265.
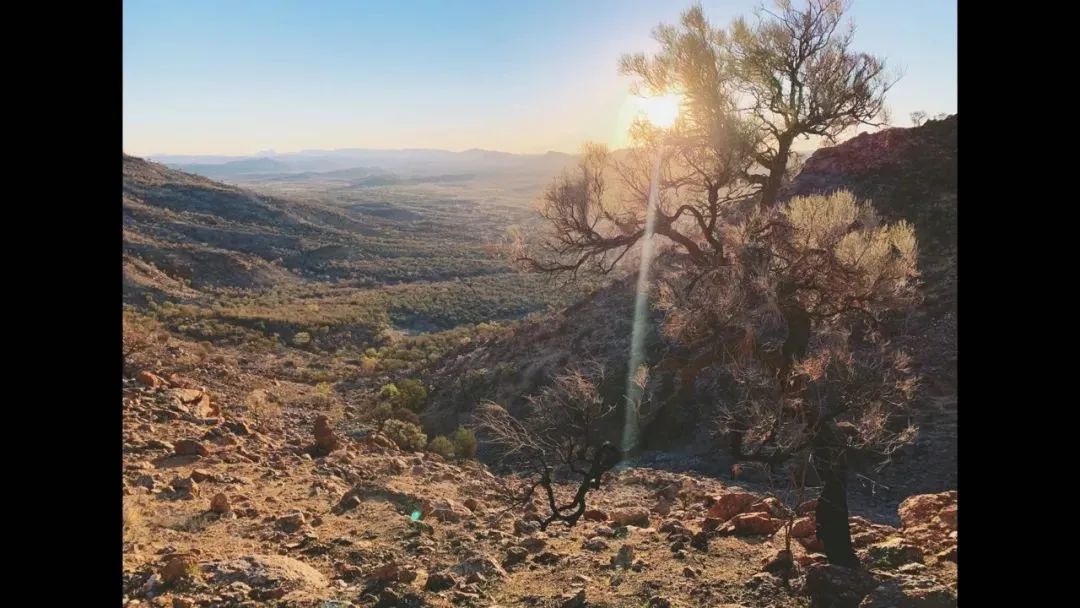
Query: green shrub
column 389, row 392
column 408, row 436
column 442, row 446
column 464, row 443
column 412, row 395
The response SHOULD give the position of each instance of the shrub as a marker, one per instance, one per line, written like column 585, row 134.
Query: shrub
column 389, row 392
column 408, row 436
column 412, row 395
column 442, row 446
column 464, row 443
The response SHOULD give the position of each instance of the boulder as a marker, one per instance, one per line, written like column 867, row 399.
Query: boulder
column 631, row 516
column 726, row 506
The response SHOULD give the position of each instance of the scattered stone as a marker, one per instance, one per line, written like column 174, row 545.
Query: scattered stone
column 220, row 504
column 150, row 380
column 291, row 522
column 726, row 506
column 472, row 504
column 178, row 567
column 145, row 481
column 526, row 526
column 770, row 506
column 689, row 572
column 831, row 585
column 480, row 564
column 573, row 599
column 803, row 527
column 624, row 558
column 185, row 486
column 751, row 524
column 657, row 601
column 604, row 531
column 534, row 544
column 325, row 439
column 632, row 516
column 581, row 579
column 595, row 544
column 548, row 558
column 921, row 509
column 440, row 581
column 190, row 447
column 894, row 553
column 905, row 591
column 446, row 510
column 595, row 515
column 200, row 475
column 515, row 555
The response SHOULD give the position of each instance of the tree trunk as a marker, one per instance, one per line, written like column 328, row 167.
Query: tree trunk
column 776, row 172
column 833, row 528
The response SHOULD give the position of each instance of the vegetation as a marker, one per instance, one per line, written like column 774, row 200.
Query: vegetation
column 441, row 446
column 782, row 302
column 406, row 435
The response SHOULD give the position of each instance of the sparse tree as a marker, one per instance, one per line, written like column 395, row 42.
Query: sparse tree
column 918, row 118
column 558, row 439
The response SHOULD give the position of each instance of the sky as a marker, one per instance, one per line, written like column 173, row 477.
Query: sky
column 242, row 77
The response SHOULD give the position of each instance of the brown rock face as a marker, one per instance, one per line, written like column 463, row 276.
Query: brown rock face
column 752, row 524
column 595, row 515
column 923, row 508
column 178, row 567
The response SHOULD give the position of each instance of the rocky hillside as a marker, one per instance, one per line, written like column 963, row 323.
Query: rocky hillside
column 240, row 489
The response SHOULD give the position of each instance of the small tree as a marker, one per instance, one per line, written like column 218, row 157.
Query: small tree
column 557, row 439
column 918, row 118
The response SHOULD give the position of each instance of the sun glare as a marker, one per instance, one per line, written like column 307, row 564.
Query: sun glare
column 661, row 110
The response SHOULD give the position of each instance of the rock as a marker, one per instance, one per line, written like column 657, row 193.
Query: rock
column 837, row 586
column 726, row 506
column 479, row 564
column 894, row 553
column 269, row 576
column 906, row 591
column 238, row 427
column 525, row 526
column 185, row 486
column 145, row 481
column 378, row 440
column 581, row 579
column 604, row 531
column 751, row 524
column 804, row 527
column 446, row 510
column 534, row 544
column 472, row 504
column 178, row 567
column 190, row 447
column 195, row 402
column 948, row 555
column 220, row 503
column 548, row 558
column 573, row 599
column 325, row 439
column 199, row 475
column 806, row 508
column 770, row 506
column 689, row 572
column 624, row 558
column 291, row 522
column 392, row 572
column 782, row 565
column 632, row 516
column 595, row 544
column 440, row 581
column 348, row 503
column 150, row 380
column 657, row 601
column 515, row 555
column 948, row 517
column 663, row 507
column 922, row 509
column 595, row 515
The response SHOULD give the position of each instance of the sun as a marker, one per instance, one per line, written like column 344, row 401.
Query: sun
column 660, row 110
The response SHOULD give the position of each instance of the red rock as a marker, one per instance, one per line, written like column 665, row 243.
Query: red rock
column 189, row 447
column 150, row 380
column 631, row 516
column 770, row 506
column 472, row 504
column 948, row 517
column 806, row 508
column 726, row 506
column 752, row 524
column 803, row 527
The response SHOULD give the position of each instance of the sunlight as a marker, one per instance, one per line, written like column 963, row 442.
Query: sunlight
column 661, row 110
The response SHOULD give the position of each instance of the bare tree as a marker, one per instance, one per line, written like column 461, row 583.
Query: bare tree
column 801, row 77
column 558, row 439
column 918, row 118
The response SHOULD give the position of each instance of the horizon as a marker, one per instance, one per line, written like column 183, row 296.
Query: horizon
column 251, row 80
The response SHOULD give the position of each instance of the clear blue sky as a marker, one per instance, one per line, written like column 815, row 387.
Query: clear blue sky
column 237, row 77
